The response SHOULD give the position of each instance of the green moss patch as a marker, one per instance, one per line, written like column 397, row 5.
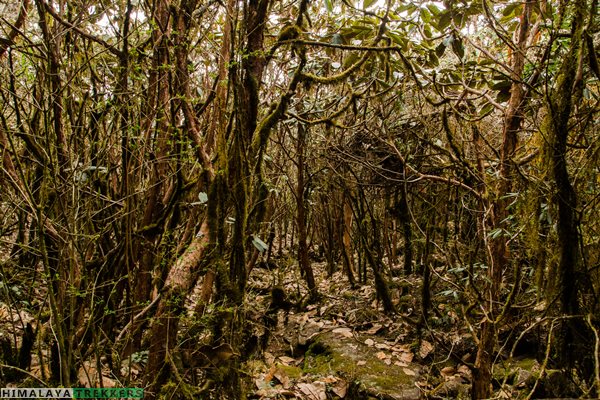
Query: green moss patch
column 348, row 358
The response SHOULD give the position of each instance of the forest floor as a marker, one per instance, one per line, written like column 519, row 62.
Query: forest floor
column 347, row 347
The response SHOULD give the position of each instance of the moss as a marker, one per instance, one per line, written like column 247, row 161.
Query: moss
column 349, row 296
column 321, row 364
column 290, row 371
column 504, row 373
column 322, row 359
column 184, row 390
column 510, row 370
column 384, row 379
column 527, row 364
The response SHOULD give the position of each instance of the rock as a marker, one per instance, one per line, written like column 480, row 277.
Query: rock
column 454, row 388
column 524, row 378
column 374, row 377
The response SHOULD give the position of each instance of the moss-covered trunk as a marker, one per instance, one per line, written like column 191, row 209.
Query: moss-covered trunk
column 570, row 277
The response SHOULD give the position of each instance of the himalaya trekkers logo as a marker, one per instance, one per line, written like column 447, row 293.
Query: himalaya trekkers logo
column 71, row 393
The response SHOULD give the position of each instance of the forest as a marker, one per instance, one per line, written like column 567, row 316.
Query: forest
column 301, row 199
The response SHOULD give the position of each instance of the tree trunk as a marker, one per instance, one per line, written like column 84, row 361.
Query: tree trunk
column 499, row 258
column 164, row 326
column 404, row 217
column 301, row 200
column 573, row 335
column 347, row 252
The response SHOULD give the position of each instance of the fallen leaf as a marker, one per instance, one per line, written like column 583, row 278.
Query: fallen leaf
column 269, row 375
column 448, row 371
column 405, row 357
column 261, row 384
column 369, row 342
column 329, row 379
column 314, row 391
column 361, row 362
column 382, row 346
column 282, row 378
column 269, row 358
column 287, row 360
column 374, row 329
column 387, row 361
column 340, row 389
column 402, row 347
column 343, row 332
column 312, row 323
column 400, row 364
column 381, row 355
column 285, row 393
column 426, row 349
column 409, row 372
column 273, row 392
column 464, row 370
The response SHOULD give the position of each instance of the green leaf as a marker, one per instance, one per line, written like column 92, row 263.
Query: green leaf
column 440, row 49
column 425, row 15
column 473, row 9
column 350, row 60
column 328, row 5
column 433, row 9
column 397, row 39
column 367, row 3
column 409, row 8
column 203, row 197
column 459, row 19
column 510, row 10
column 458, row 47
column 444, row 20
column 383, row 83
column 259, row 244
column 432, row 59
column 427, row 31
column 495, row 233
column 486, row 109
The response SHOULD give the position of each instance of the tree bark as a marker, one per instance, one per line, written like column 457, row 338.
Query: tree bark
column 164, row 327
column 347, row 252
column 560, row 104
column 499, row 257
column 301, row 200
